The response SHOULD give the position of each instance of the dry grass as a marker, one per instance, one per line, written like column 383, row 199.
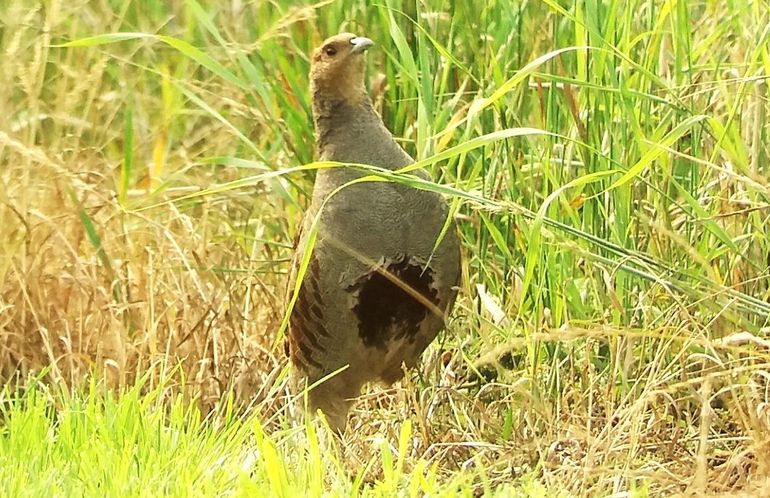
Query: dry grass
column 89, row 283
column 598, row 385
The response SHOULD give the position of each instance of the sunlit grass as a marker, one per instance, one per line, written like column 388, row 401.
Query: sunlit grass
column 607, row 162
column 137, row 444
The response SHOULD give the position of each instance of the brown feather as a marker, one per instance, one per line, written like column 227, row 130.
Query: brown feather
column 377, row 288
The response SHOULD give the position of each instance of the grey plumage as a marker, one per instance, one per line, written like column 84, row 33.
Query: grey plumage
column 377, row 289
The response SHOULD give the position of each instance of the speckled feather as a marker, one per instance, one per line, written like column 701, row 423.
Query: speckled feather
column 375, row 293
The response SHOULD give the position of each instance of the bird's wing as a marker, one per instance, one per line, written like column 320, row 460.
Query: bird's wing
column 306, row 323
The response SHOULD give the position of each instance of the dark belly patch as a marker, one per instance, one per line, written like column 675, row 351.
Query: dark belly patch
column 388, row 310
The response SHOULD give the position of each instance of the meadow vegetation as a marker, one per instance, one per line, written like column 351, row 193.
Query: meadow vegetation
column 607, row 162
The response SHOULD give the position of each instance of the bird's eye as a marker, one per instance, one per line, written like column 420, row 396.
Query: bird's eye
column 330, row 51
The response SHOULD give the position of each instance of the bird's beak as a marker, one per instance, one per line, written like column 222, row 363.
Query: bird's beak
column 360, row 44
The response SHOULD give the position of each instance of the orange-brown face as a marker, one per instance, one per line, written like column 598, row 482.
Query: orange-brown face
column 338, row 65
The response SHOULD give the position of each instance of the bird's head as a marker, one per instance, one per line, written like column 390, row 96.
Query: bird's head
column 338, row 66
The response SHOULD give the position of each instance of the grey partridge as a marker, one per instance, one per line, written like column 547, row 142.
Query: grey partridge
column 377, row 288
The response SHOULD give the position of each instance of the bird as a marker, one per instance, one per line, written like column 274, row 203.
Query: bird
column 384, row 270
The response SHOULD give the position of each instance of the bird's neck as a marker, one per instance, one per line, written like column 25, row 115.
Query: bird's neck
column 333, row 105
column 335, row 118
